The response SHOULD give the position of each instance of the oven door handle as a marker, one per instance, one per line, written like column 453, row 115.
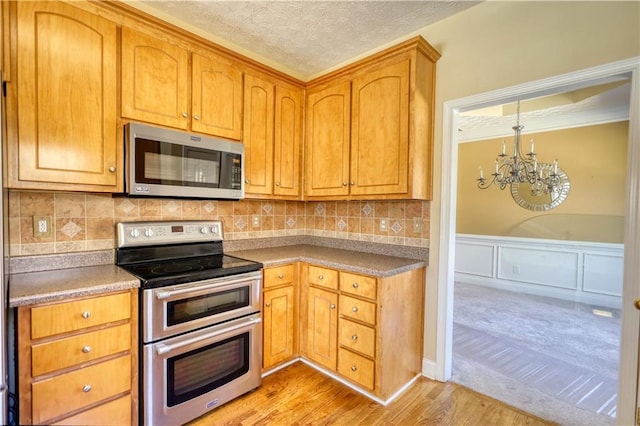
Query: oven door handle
column 165, row 294
column 162, row 348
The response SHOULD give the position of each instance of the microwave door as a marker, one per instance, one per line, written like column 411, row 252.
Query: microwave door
column 201, row 167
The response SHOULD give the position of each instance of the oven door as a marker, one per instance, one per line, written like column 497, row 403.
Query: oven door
column 188, row 375
column 168, row 311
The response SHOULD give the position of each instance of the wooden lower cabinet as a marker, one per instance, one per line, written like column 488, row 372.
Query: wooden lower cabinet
column 366, row 329
column 78, row 361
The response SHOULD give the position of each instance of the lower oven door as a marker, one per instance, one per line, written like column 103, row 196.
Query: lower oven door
column 188, row 375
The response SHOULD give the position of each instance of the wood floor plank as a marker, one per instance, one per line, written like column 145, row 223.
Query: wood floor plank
column 300, row 395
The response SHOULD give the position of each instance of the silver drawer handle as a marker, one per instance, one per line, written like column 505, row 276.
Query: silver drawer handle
column 86, row 388
column 332, row 306
column 354, row 368
column 354, row 309
column 321, row 277
column 86, row 314
column 280, row 276
column 354, row 285
column 86, row 349
column 354, row 337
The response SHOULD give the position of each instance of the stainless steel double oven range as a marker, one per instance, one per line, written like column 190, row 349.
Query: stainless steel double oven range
column 199, row 315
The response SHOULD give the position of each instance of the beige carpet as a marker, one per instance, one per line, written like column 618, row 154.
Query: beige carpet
column 552, row 358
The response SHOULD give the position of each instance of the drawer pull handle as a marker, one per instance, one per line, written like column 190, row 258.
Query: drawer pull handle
column 267, row 304
column 86, row 388
column 280, row 276
column 321, row 277
column 354, row 285
column 86, row 349
column 354, row 309
column 86, row 315
column 354, row 368
column 333, row 306
column 354, row 337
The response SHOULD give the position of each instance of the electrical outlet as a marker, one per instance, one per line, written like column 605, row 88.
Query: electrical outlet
column 417, row 225
column 42, row 226
column 255, row 221
column 383, row 225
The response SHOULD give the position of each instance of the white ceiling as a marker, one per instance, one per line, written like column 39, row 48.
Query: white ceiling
column 304, row 38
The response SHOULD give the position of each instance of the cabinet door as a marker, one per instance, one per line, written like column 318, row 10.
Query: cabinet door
column 66, row 69
column 380, row 131
column 322, row 327
column 287, row 139
column 278, row 327
column 258, row 135
column 155, row 80
column 216, row 98
column 327, row 141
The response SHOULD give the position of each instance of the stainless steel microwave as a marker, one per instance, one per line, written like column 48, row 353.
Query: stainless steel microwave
column 169, row 163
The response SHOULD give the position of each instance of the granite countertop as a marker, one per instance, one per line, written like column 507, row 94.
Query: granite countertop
column 47, row 286
column 353, row 261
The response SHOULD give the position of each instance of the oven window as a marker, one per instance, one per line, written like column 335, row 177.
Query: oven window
column 192, row 308
column 164, row 163
column 195, row 373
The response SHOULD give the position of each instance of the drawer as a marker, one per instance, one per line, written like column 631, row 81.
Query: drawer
column 112, row 413
column 358, row 337
column 71, row 391
column 358, row 285
column 323, row 277
column 356, row 368
column 357, row 309
column 69, row 351
column 285, row 274
column 78, row 314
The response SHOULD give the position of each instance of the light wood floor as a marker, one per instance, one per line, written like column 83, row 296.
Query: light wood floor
column 299, row 394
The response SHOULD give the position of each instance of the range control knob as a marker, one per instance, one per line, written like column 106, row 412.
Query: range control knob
column 215, row 229
column 135, row 233
column 204, row 230
column 148, row 232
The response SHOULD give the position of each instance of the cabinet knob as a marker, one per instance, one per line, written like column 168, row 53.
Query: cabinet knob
column 354, row 309
column 267, row 304
column 321, row 277
column 86, row 349
column 277, row 183
column 185, row 115
column 354, row 368
column 352, row 183
column 332, row 306
column 246, row 181
column 344, row 183
column 112, row 169
column 280, row 276
column 86, row 388
column 354, row 285
column 196, row 117
column 86, row 315
column 637, row 304
column 354, row 337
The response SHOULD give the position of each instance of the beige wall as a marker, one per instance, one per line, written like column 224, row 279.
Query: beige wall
column 84, row 222
column 498, row 44
column 595, row 160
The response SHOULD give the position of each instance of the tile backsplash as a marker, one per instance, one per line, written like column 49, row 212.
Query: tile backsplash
column 86, row 222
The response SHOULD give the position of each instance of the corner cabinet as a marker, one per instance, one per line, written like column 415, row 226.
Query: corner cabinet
column 367, row 330
column 78, row 361
column 62, row 131
column 370, row 127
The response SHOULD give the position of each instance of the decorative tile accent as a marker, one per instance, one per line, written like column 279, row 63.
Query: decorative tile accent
column 126, row 206
column 70, row 229
column 241, row 223
column 267, row 208
column 396, row 227
column 341, row 224
column 319, row 209
column 209, row 207
column 291, row 222
column 366, row 209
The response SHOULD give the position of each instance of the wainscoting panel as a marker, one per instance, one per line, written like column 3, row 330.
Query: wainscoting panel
column 570, row 270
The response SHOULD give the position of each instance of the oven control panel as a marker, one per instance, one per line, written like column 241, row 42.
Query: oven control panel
column 132, row 234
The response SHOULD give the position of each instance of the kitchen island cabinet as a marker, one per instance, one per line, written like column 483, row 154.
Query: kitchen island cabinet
column 77, row 360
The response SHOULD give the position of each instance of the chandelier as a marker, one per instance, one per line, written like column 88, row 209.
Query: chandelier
column 543, row 178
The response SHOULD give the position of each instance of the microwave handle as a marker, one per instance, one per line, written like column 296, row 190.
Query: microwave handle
column 162, row 348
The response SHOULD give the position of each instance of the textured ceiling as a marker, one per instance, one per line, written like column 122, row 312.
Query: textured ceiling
column 306, row 37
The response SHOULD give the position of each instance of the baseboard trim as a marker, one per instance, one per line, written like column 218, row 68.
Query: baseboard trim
column 429, row 369
column 280, row 367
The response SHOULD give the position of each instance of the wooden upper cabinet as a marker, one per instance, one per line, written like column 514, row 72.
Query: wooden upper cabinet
column 380, row 131
column 216, row 98
column 64, row 135
column 258, row 135
column 327, row 141
column 287, row 141
column 155, row 80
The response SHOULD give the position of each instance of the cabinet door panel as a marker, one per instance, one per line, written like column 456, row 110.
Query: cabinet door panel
column 66, row 104
column 327, row 141
column 322, row 326
column 287, row 139
column 155, row 80
column 278, row 325
column 216, row 98
column 380, row 131
column 258, row 135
